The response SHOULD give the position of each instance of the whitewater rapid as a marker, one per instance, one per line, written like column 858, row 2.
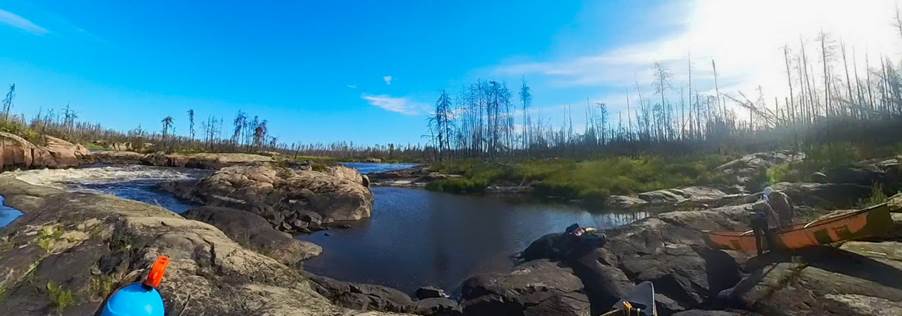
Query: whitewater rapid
column 73, row 178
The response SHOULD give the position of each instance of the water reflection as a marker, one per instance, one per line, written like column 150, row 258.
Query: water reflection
column 418, row 237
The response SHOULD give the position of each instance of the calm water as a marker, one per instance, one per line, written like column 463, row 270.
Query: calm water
column 417, row 237
column 414, row 238
column 7, row 214
column 368, row 167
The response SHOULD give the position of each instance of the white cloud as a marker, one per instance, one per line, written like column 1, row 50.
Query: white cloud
column 394, row 104
column 387, row 79
column 351, row 86
column 745, row 38
column 21, row 23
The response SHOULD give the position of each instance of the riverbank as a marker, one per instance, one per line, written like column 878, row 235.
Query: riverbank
column 623, row 182
column 87, row 244
column 266, row 197
column 680, row 254
column 692, row 278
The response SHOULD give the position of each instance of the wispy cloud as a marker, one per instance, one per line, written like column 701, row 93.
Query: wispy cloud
column 745, row 38
column 394, row 104
column 19, row 22
column 387, row 79
column 351, row 86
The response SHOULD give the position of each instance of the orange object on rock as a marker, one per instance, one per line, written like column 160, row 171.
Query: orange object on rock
column 156, row 272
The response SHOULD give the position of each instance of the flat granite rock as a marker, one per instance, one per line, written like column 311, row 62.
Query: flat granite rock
column 89, row 244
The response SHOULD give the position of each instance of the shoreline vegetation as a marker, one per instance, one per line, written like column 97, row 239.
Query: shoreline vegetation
column 593, row 180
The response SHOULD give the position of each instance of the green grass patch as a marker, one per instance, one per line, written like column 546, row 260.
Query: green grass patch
column 94, row 147
column 48, row 236
column 60, row 298
column 878, row 195
column 591, row 180
column 101, row 286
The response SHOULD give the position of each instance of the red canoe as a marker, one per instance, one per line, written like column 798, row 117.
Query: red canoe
column 869, row 222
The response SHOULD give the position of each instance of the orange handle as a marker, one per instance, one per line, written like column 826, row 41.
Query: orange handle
column 156, row 272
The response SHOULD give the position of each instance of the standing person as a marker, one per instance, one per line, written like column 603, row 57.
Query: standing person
column 781, row 205
column 773, row 213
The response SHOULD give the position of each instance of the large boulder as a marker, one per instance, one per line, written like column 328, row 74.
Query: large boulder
column 252, row 231
column 746, row 173
column 437, row 306
column 362, row 296
column 824, row 195
column 84, row 245
column 18, row 153
column 858, row 278
column 538, row 287
column 289, row 199
column 349, row 174
column 669, row 249
column 65, row 154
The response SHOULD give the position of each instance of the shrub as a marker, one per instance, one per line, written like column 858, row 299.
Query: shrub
column 781, row 173
column 877, row 196
column 102, row 285
column 60, row 298
column 458, row 185
column 48, row 236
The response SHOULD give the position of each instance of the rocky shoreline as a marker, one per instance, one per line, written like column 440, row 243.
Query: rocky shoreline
column 240, row 244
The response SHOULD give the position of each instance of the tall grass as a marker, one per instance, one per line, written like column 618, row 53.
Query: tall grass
column 590, row 180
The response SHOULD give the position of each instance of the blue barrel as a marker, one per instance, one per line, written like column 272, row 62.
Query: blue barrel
column 135, row 299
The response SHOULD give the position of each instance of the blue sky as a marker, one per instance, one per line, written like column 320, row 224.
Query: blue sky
column 362, row 71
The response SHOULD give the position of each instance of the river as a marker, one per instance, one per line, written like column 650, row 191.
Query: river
column 414, row 238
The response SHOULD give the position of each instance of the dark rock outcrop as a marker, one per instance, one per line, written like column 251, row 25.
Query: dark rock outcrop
column 669, row 250
column 362, row 296
column 538, row 287
column 824, row 195
column 691, row 278
column 437, row 307
column 430, row 292
column 252, row 231
column 89, row 244
column 858, row 278
column 291, row 200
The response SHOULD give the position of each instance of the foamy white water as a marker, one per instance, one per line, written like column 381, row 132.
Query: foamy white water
column 65, row 178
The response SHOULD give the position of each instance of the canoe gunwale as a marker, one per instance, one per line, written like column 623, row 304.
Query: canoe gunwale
column 853, row 225
column 810, row 225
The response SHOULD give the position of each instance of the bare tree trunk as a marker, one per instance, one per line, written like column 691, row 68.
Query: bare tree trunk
column 717, row 90
column 848, row 80
column 827, row 105
column 788, row 76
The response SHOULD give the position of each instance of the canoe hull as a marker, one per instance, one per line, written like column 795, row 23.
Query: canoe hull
column 866, row 223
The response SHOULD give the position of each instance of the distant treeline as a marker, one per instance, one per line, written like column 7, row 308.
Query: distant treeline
column 243, row 133
column 829, row 99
